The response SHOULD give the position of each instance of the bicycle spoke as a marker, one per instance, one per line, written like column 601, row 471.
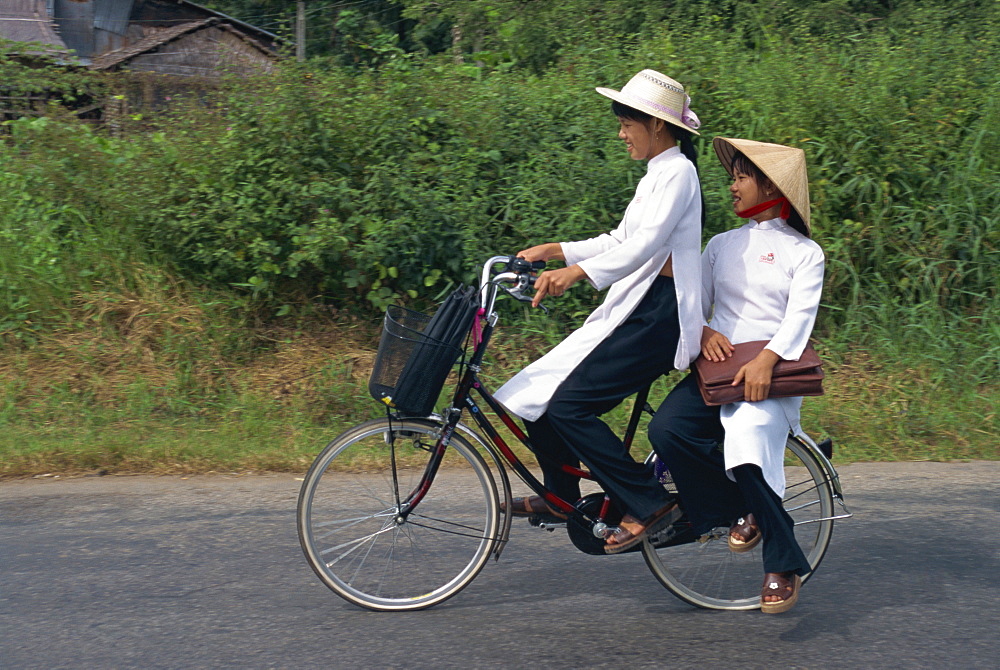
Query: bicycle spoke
column 364, row 550
column 347, row 523
column 440, row 521
column 707, row 573
column 355, row 544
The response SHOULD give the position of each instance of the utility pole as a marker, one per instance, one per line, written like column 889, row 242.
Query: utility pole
column 300, row 31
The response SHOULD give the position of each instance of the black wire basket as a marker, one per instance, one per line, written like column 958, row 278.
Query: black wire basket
column 411, row 366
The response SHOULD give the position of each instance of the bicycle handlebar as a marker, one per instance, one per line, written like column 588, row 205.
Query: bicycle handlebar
column 521, row 265
column 516, row 271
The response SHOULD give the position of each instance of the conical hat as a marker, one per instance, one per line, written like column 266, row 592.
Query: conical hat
column 784, row 166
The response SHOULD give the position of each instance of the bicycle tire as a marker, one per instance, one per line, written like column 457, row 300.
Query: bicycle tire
column 359, row 545
column 704, row 572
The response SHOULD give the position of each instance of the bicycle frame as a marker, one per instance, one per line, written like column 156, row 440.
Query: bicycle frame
column 463, row 400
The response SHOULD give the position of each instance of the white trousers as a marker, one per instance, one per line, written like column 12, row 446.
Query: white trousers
column 756, row 433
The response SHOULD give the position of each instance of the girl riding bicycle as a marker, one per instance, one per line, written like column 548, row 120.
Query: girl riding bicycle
column 649, row 324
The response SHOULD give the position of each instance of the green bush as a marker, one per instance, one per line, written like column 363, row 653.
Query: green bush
column 356, row 188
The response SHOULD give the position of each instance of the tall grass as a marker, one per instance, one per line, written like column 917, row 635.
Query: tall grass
column 277, row 411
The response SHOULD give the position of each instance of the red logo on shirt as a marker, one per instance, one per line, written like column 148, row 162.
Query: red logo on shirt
column 768, row 258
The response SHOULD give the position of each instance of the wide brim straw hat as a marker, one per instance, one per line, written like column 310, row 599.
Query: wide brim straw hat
column 784, row 166
column 657, row 95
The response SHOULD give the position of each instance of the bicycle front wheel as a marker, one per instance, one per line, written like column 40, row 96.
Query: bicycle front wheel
column 706, row 573
column 355, row 538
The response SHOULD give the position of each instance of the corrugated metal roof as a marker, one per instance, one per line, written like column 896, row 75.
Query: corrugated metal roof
column 112, row 15
column 75, row 19
column 28, row 21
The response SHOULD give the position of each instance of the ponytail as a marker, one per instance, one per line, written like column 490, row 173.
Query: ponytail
column 683, row 137
column 796, row 222
column 685, row 140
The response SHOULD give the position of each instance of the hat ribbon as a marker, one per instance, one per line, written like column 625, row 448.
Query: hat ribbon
column 687, row 117
column 786, row 208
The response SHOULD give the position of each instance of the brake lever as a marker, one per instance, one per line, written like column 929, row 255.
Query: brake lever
column 520, row 297
column 525, row 272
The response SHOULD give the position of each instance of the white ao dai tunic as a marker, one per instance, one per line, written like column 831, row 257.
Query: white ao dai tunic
column 663, row 220
column 764, row 280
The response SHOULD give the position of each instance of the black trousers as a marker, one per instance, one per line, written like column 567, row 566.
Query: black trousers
column 634, row 355
column 686, row 434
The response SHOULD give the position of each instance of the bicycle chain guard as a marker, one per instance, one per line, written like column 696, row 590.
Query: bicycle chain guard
column 581, row 534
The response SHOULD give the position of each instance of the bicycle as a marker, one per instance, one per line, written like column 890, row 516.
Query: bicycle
column 403, row 512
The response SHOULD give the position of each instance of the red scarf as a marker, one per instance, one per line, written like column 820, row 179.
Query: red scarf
column 786, row 208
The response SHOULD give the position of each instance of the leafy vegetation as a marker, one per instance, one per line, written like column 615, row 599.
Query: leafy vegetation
column 216, row 272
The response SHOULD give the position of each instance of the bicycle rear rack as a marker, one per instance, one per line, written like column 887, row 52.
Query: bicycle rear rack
column 823, row 452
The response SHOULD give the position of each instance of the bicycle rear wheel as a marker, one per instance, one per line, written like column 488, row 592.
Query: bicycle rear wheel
column 706, row 573
column 365, row 551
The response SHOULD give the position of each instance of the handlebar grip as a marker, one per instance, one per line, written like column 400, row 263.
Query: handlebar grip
column 521, row 265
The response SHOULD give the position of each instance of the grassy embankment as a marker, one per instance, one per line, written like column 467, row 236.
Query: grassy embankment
column 85, row 404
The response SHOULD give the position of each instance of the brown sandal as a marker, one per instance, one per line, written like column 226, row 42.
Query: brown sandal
column 624, row 539
column 744, row 535
column 785, row 585
column 531, row 506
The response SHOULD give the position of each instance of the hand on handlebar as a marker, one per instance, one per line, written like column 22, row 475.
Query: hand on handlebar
column 551, row 251
column 555, row 282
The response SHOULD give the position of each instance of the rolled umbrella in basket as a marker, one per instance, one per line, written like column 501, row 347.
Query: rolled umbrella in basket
column 436, row 349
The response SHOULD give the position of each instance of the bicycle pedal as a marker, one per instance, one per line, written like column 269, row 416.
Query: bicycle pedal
column 664, row 534
column 667, row 522
column 546, row 522
column 672, row 529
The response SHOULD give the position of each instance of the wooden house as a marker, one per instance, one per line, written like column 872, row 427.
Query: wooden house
column 173, row 37
column 163, row 49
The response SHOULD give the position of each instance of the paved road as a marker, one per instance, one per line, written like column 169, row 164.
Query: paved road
column 206, row 572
